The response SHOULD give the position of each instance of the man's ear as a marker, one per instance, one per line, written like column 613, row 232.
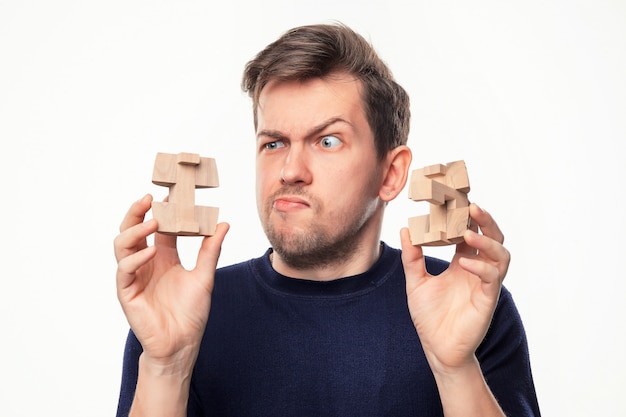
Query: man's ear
column 397, row 165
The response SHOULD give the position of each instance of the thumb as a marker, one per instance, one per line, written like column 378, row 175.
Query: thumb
column 210, row 252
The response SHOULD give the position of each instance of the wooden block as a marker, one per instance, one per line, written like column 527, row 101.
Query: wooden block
column 456, row 176
column 165, row 167
column 434, row 170
column 457, row 222
column 206, row 174
column 433, row 191
column 421, row 233
column 183, row 173
column 204, row 224
column 188, row 158
column 445, row 187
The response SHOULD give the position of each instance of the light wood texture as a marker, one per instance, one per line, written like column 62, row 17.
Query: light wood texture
column 445, row 187
column 183, row 173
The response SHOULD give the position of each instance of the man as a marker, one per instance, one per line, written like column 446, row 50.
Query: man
column 330, row 321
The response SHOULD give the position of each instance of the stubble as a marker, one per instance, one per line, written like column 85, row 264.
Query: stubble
column 318, row 243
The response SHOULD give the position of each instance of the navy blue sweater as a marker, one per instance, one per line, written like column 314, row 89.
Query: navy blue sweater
column 277, row 346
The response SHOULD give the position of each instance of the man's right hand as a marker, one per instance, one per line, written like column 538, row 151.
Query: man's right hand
column 166, row 306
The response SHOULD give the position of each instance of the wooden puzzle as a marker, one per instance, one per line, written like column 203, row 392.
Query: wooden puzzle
column 445, row 187
column 183, row 173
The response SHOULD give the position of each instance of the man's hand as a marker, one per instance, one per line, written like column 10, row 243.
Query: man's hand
column 452, row 311
column 167, row 306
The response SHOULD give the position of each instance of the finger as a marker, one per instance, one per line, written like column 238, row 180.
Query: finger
column 210, row 252
column 137, row 212
column 464, row 249
column 489, row 250
column 487, row 273
column 412, row 257
column 167, row 241
column 487, row 224
column 133, row 239
column 128, row 266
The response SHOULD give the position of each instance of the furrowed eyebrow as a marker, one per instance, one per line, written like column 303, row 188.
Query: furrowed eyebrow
column 325, row 124
column 275, row 134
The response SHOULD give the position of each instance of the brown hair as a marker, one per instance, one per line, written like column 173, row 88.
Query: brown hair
column 319, row 50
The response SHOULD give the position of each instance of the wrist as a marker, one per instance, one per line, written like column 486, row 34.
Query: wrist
column 163, row 385
column 464, row 391
column 179, row 364
column 468, row 369
column 450, row 366
column 171, row 373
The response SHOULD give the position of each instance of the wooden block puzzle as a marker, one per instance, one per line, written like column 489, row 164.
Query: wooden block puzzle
column 183, row 173
column 445, row 187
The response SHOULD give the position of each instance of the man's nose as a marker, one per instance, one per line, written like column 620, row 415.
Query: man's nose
column 296, row 168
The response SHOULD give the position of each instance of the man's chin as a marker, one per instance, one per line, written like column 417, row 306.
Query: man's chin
column 309, row 251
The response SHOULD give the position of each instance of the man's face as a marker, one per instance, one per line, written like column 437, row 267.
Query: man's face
column 318, row 176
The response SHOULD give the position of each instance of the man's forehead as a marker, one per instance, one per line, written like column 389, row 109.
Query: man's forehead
column 330, row 81
column 337, row 93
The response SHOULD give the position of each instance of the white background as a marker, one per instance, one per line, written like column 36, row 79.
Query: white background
column 532, row 94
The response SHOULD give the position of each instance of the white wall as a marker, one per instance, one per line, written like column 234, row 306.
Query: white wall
column 531, row 94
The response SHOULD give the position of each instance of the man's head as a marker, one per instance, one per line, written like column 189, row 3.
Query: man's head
column 318, row 51
column 331, row 125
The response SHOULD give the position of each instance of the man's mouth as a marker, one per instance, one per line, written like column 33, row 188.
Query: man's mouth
column 290, row 203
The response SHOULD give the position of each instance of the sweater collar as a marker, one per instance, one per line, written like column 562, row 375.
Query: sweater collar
column 339, row 287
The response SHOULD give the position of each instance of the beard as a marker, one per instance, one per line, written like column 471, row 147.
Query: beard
column 318, row 243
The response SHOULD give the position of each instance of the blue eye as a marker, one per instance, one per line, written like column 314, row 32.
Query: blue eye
column 270, row 146
column 330, row 141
